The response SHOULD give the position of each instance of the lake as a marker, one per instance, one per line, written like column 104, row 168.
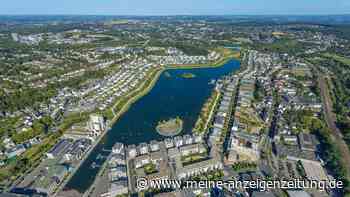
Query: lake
column 171, row 96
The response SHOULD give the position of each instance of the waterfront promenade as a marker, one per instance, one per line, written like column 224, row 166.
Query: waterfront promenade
column 209, row 73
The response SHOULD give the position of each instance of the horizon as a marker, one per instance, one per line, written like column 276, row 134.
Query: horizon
column 166, row 15
column 178, row 8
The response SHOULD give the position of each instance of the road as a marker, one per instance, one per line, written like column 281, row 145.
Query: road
column 143, row 89
column 331, row 122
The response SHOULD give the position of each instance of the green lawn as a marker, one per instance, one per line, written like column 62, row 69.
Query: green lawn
column 339, row 58
column 150, row 168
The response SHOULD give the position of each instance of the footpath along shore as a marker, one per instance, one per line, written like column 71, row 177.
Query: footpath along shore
column 98, row 186
column 142, row 91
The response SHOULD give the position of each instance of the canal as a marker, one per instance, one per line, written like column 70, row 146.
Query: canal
column 171, row 96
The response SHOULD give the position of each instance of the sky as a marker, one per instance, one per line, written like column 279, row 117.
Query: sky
column 175, row 7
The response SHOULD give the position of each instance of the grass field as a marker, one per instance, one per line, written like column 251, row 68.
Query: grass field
column 339, row 58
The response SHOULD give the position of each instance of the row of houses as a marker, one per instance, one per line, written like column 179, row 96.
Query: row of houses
column 96, row 94
column 117, row 171
column 176, row 57
column 223, row 110
column 298, row 150
column 178, row 141
column 104, row 92
column 244, row 138
column 169, row 158
column 251, row 114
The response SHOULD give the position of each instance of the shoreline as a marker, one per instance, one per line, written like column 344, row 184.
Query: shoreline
column 177, row 130
column 128, row 104
column 216, row 64
column 241, row 70
column 132, row 100
column 116, row 117
column 156, row 77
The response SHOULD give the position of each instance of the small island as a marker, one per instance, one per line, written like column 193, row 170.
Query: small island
column 188, row 75
column 167, row 74
column 170, row 127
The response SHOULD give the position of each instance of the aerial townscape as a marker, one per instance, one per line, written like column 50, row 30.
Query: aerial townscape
column 89, row 105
